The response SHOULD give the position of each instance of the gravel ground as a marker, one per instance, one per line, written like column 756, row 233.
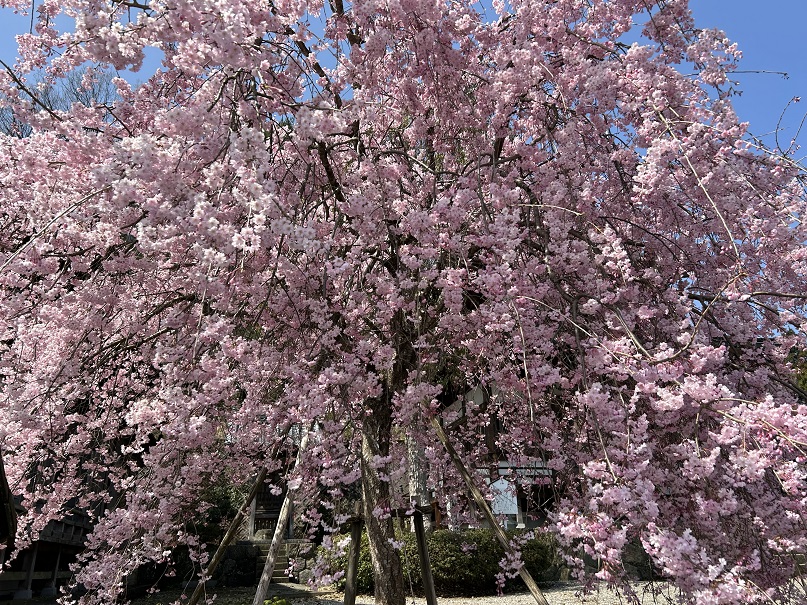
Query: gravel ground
column 559, row 594
column 565, row 594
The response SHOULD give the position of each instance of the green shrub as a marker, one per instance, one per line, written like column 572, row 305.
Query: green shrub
column 463, row 563
column 541, row 558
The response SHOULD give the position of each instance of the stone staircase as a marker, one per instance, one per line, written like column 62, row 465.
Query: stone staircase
column 281, row 561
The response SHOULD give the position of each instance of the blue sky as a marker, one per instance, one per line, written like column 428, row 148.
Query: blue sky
column 771, row 36
column 769, row 33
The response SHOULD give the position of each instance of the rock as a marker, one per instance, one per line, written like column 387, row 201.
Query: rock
column 304, row 576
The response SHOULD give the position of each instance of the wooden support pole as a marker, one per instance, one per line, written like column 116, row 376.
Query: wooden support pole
column 25, row 592
column 50, row 591
column 483, row 506
column 231, row 531
column 280, row 528
column 233, row 528
column 274, row 549
column 353, row 562
column 425, row 564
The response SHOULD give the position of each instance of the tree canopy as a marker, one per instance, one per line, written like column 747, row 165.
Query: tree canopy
column 347, row 216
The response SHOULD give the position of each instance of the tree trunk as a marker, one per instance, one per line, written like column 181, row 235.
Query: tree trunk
column 376, row 436
column 387, row 570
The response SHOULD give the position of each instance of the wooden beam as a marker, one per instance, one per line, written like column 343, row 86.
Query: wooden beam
column 353, row 562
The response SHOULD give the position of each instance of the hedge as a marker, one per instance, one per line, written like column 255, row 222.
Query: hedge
column 463, row 563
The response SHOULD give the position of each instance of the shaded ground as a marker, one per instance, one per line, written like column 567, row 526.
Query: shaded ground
column 566, row 593
column 297, row 593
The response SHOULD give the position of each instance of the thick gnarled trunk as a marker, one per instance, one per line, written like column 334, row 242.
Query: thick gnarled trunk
column 387, row 570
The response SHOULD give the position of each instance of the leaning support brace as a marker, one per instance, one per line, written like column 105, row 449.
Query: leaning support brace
column 483, row 506
column 231, row 531
column 277, row 538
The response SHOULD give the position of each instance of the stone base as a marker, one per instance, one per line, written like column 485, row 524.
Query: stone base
column 49, row 592
column 24, row 595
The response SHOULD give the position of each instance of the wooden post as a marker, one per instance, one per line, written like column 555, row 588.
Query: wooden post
column 425, row 564
column 280, row 528
column 50, row 590
column 274, row 549
column 353, row 562
column 25, row 592
column 231, row 531
column 483, row 506
column 438, row 517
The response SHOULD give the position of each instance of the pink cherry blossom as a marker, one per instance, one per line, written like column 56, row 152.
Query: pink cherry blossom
column 361, row 216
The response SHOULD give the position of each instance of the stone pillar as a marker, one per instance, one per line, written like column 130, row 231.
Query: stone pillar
column 30, row 559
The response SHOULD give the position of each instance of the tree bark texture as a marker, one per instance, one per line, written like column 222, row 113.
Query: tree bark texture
column 387, row 570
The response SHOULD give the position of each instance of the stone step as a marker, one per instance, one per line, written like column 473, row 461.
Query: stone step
column 264, row 548
column 279, row 572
